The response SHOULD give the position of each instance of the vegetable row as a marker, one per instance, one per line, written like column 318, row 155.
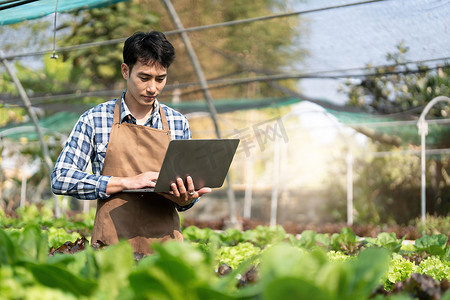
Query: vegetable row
column 263, row 263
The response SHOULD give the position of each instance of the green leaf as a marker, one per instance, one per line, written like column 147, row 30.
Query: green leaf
column 228, row 282
column 284, row 260
column 174, row 271
column 250, row 236
column 183, row 251
column 435, row 267
column 344, row 241
column 354, row 278
column 231, row 236
column 57, row 277
column 447, row 254
column 389, row 241
column 82, row 262
column 399, row 269
column 294, row 288
column 348, row 234
column 307, row 239
column 446, row 296
column 433, row 245
column 115, row 263
column 8, row 251
column 147, row 286
column 385, row 238
column 34, row 243
column 323, row 239
column 367, row 270
column 177, row 270
column 334, row 277
column 90, row 269
column 233, row 256
column 208, row 292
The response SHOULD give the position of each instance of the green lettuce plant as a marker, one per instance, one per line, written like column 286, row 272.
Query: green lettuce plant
column 233, row 256
column 435, row 267
column 399, row 269
column 265, row 235
column 288, row 272
column 310, row 239
column 177, row 271
column 345, row 241
column 200, row 235
column 389, row 241
column 435, row 244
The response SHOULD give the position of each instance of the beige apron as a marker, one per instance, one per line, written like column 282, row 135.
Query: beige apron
column 139, row 218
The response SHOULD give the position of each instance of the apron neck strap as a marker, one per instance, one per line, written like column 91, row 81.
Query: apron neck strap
column 118, row 120
column 165, row 124
column 117, row 109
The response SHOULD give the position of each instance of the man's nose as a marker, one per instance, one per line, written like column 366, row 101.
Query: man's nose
column 151, row 87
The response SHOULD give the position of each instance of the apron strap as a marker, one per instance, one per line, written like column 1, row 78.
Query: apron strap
column 117, row 110
column 116, row 119
column 165, row 124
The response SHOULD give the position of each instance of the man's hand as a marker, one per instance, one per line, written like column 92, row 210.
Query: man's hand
column 184, row 195
column 143, row 180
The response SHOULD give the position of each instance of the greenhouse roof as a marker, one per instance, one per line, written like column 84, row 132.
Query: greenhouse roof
column 16, row 11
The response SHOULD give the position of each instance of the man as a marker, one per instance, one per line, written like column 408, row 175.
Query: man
column 125, row 140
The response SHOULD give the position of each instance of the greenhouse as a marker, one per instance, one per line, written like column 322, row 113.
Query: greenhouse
column 339, row 186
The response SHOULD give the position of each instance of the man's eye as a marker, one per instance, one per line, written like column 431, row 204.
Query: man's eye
column 160, row 79
column 144, row 78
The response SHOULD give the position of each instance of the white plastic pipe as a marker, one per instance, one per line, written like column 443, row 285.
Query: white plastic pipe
column 349, row 161
column 423, row 131
column 275, row 183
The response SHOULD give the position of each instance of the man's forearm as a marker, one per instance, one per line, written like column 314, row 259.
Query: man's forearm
column 118, row 184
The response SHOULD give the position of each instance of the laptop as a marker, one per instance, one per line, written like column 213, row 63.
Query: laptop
column 207, row 161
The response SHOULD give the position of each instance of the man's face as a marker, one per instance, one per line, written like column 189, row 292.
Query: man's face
column 144, row 82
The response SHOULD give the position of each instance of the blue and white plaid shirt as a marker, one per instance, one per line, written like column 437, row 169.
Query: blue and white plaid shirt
column 88, row 142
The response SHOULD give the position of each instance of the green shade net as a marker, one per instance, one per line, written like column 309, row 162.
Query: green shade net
column 378, row 127
column 12, row 12
column 405, row 132
column 59, row 123
column 63, row 122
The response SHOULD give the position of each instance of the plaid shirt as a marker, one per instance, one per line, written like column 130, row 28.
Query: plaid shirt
column 87, row 145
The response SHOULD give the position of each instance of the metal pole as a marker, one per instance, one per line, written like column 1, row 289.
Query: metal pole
column 197, row 67
column 34, row 119
column 423, row 131
column 248, row 187
column 349, row 187
column 423, row 182
column 204, row 86
column 86, row 205
column 23, row 190
column 275, row 183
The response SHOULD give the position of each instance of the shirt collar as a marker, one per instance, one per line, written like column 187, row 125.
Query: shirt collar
column 125, row 112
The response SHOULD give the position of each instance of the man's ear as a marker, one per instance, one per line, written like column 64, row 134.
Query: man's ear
column 125, row 71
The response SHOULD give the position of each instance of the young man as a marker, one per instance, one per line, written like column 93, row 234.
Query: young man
column 125, row 140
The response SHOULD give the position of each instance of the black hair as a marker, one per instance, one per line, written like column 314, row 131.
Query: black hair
column 148, row 48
